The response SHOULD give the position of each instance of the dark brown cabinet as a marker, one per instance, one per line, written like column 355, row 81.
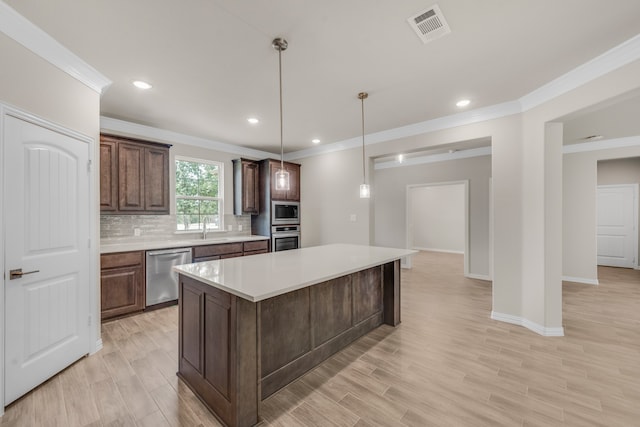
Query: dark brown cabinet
column 138, row 176
column 229, row 250
column 246, row 187
column 219, row 251
column 293, row 194
column 108, row 176
column 256, row 247
column 122, row 288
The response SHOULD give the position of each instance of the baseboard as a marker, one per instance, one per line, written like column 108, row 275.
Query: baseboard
column 532, row 326
column 581, row 280
column 445, row 251
column 478, row 276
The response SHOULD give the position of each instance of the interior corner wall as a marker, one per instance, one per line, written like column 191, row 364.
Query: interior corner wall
column 331, row 208
column 33, row 85
column 390, row 203
column 580, row 181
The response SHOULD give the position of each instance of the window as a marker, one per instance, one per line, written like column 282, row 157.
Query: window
column 199, row 194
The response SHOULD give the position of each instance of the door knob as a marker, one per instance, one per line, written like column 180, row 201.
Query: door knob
column 18, row 273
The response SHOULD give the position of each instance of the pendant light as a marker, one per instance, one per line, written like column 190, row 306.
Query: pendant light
column 282, row 175
column 365, row 191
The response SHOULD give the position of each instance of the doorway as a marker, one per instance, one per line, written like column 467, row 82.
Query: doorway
column 438, row 218
column 617, row 233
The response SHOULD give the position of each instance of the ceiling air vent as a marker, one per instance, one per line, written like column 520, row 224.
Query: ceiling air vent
column 429, row 24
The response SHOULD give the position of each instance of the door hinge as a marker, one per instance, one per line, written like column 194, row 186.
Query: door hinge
column 88, row 165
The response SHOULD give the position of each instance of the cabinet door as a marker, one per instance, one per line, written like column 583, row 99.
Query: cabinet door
column 130, row 177
column 108, row 176
column 121, row 291
column 294, row 182
column 156, row 180
column 274, row 167
column 293, row 194
column 250, row 188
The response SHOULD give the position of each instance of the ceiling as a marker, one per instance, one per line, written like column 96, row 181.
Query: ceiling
column 212, row 65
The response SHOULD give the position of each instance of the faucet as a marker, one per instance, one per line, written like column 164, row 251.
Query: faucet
column 204, row 228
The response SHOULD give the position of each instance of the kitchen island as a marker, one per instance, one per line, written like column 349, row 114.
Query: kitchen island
column 249, row 326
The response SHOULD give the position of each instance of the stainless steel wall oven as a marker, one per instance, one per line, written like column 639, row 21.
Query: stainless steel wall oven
column 285, row 237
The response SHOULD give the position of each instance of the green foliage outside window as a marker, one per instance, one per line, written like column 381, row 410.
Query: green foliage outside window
column 198, row 195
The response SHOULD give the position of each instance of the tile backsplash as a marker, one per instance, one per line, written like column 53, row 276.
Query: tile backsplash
column 123, row 226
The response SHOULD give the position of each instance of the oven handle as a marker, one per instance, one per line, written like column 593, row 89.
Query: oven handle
column 278, row 235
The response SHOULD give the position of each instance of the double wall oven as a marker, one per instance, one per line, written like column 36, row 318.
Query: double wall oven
column 285, row 226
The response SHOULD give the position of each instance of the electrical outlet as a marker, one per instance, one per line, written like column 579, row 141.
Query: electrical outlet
column 229, row 227
column 137, row 232
column 353, row 218
column 239, row 227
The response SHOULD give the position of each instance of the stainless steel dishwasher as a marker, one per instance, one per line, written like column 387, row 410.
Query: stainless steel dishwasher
column 162, row 281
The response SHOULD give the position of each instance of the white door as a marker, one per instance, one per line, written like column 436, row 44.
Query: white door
column 617, row 235
column 46, row 199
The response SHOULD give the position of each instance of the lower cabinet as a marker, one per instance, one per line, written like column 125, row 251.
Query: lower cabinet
column 122, row 275
column 122, row 287
column 229, row 250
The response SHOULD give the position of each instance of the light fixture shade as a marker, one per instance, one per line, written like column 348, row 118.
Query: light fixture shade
column 365, row 192
column 282, row 180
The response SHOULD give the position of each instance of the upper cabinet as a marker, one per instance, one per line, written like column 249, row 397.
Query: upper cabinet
column 246, row 187
column 293, row 194
column 134, row 176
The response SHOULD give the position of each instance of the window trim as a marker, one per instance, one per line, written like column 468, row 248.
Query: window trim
column 220, row 197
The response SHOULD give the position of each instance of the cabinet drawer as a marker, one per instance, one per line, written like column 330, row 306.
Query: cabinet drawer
column 233, row 255
column 121, row 259
column 262, row 251
column 222, row 249
column 256, row 246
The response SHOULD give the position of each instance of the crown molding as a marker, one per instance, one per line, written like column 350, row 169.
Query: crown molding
column 604, row 144
column 611, row 60
column 434, row 158
column 124, row 128
column 23, row 31
column 441, row 123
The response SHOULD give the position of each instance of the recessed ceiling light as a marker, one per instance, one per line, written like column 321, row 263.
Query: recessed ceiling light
column 400, row 158
column 315, row 141
column 463, row 103
column 253, row 120
column 142, row 85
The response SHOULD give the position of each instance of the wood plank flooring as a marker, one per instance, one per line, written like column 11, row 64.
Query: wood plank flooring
column 447, row 364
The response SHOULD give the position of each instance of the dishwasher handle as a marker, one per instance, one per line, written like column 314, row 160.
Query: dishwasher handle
column 169, row 252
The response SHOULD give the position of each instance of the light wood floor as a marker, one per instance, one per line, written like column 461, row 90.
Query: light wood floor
column 447, row 364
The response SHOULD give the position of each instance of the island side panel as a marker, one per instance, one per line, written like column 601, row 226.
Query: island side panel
column 218, row 351
column 391, row 291
column 339, row 311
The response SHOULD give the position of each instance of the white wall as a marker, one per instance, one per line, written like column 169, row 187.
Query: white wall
column 437, row 218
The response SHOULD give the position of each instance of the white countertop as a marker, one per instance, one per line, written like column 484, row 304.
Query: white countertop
column 108, row 246
column 259, row 277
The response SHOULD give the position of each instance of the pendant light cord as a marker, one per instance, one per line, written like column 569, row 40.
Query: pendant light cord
column 281, row 137
column 364, row 173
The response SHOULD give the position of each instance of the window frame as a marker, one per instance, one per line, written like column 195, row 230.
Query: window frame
column 219, row 199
